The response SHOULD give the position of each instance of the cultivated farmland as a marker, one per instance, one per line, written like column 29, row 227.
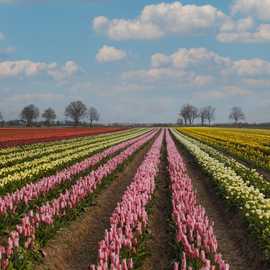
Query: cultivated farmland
column 140, row 198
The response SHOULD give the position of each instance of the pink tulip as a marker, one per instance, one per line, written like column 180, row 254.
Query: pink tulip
column 130, row 218
column 195, row 232
column 26, row 230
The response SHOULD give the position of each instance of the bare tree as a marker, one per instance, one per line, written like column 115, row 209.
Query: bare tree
column 184, row 112
column 189, row 113
column 236, row 114
column 210, row 114
column 193, row 114
column 203, row 115
column 76, row 110
column 49, row 115
column 93, row 115
column 1, row 119
column 29, row 114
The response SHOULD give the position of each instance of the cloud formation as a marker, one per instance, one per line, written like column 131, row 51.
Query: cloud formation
column 202, row 71
column 258, row 8
column 165, row 19
column 27, row 68
column 156, row 21
column 110, row 54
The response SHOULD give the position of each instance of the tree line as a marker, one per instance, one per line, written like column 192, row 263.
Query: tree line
column 189, row 113
column 76, row 111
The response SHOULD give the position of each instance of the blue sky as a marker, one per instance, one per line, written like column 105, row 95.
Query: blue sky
column 135, row 60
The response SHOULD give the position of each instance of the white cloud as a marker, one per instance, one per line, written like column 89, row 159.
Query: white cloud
column 164, row 19
column 110, row 54
column 69, row 69
column 159, row 20
column 28, row 68
column 260, row 34
column 190, row 58
column 252, row 67
column 258, row 8
column 100, row 22
column 199, row 68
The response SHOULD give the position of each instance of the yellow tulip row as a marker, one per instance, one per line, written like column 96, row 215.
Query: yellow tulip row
column 250, row 145
column 39, row 150
column 48, row 164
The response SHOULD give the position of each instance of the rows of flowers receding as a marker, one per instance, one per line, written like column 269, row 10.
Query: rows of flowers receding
column 247, row 144
column 17, row 136
column 194, row 231
column 30, row 152
column 40, row 167
column 249, row 175
column 31, row 191
column 55, row 151
column 248, row 199
column 130, row 217
column 26, row 231
column 10, row 151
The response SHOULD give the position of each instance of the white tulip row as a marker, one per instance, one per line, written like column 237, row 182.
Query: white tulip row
column 248, row 199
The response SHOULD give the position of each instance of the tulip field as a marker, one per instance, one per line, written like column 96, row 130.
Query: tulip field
column 54, row 215
column 250, row 145
column 18, row 136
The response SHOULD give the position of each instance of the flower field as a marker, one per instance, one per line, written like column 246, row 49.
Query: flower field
column 18, row 136
column 249, row 145
column 54, row 215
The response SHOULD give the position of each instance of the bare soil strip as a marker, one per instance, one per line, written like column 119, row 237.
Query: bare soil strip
column 76, row 247
column 159, row 246
column 236, row 246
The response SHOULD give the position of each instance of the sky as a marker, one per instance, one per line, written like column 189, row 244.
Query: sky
column 136, row 61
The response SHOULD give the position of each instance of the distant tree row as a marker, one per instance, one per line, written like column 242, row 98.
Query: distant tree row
column 76, row 111
column 189, row 113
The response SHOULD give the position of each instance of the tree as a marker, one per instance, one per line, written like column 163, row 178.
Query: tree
column 76, row 110
column 203, row 115
column 210, row 114
column 93, row 115
column 1, row 119
column 184, row 113
column 236, row 114
column 189, row 113
column 29, row 114
column 49, row 115
column 193, row 114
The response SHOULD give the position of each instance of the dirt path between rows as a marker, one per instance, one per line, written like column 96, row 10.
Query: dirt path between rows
column 236, row 247
column 159, row 246
column 76, row 247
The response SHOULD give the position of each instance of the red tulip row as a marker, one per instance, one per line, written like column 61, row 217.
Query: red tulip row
column 18, row 136
column 130, row 218
column 194, row 230
column 31, row 191
column 26, row 231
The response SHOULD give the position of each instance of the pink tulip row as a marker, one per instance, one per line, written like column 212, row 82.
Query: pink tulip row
column 130, row 217
column 25, row 233
column 195, row 231
column 31, row 191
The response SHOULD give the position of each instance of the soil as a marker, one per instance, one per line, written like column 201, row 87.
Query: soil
column 76, row 246
column 160, row 248
column 235, row 243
